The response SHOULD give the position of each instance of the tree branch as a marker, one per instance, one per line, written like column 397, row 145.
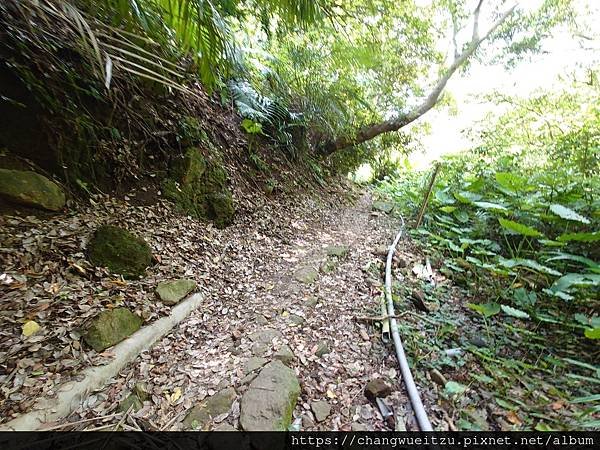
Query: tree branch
column 371, row 131
column 475, row 36
column 454, row 29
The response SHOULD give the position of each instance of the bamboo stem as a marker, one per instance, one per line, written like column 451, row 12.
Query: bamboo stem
column 427, row 195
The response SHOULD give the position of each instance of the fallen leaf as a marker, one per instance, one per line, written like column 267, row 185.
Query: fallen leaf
column 30, row 327
column 557, row 405
column 364, row 334
column 176, row 395
column 513, row 418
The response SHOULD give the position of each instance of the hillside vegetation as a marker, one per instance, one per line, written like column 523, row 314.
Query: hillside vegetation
column 158, row 153
column 515, row 222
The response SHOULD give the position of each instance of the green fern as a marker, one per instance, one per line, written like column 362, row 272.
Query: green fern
column 276, row 118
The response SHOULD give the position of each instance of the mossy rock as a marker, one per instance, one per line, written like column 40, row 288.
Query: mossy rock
column 198, row 187
column 338, row 251
column 31, row 189
column 269, row 402
column 385, row 207
column 285, row 355
column 329, row 265
column 306, row 275
column 201, row 415
column 193, row 167
column 111, row 327
column 221, row 209
column 120, row 251
column 131, row 401
column 172, row 292
column 190, row 131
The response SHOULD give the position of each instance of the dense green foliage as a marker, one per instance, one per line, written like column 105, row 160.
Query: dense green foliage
column 519, row 216
column 305, row 73
column 116, row 87
column 516, row 222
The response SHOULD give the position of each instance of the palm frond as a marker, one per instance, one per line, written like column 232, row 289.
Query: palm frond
column 273, row 113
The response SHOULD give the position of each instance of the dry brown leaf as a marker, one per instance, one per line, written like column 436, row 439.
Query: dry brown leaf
column 513, row 418
column 557, row 405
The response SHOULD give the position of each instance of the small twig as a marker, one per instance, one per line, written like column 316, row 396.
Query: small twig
column 427, row 195
column 153, row 425
column 134, row 423
column 103, row 427
column 170, row 422
column 67, row 424
column 120, row 423
column 380, row 318
column 423, row 318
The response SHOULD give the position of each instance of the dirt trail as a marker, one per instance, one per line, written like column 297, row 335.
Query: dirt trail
column 258, row 291
column 211, row 349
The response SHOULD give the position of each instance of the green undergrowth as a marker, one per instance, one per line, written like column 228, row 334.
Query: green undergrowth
column 508, row 375
column 521, row 245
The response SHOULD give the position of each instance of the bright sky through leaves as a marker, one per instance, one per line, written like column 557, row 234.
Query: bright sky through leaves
column 562, row 55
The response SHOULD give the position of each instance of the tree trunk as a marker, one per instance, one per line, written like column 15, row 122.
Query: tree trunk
column 369, row 132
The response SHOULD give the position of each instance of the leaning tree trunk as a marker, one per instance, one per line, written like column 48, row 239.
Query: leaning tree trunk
column 369, row 132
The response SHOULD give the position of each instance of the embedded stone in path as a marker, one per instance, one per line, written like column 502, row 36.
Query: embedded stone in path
column 322, row 348
column 111, row 327
column 296, row 319
column 385, row 207
column 377, row 388
column 285, row 355
column 259, row 349
column 261, row 320
column 357, row 426
column 254, row 363
column 270, row 399
column 265, row 336
column 201, row 415
column 306, row 275
column 171, row 292
column 31, row 189
column 312, row 301
column 338, row 251
column 321, row 410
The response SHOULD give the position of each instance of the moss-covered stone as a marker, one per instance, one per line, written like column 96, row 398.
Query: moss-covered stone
column 131, row 401
column 171, row 292
column 190, row 131
column 385, row 207
column 120, row 251
column 306, row 275
column 329, row 265
column 269, row 402
column 338, row 251
column 193, row 167
column 322, row 348
column 221, row 208
column 201, row 415
column 198, row 186
column 31, row 189
column 111, row 327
